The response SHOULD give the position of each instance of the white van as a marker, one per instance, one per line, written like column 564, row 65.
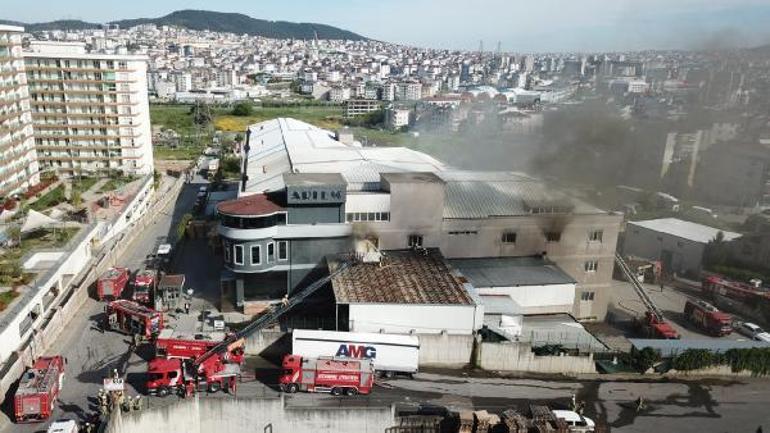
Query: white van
column 63, row 426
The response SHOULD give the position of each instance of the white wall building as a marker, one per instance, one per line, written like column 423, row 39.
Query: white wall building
column 90, row 111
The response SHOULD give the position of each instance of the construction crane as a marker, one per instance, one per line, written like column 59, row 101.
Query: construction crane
column 655, row 324
column 286, row 305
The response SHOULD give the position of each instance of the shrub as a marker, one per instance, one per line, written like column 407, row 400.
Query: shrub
column 243, row 109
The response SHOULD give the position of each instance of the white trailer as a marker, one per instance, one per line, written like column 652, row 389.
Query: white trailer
column 390, row 353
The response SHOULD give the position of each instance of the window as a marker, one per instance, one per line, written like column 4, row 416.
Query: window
column 367, row 216
column 509, row 238
column 553, row 236
column 591, row 265
column 587, row 296
column 238, row 254
column 226, row 249
column 256, row 255
column 415, row 241
column 270, row 252
column 283, row 250
column 595, row 235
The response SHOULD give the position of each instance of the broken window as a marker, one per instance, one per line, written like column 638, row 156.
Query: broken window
column 415, row 241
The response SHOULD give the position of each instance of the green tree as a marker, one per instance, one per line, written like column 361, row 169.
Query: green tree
column 243, row 108
column 201, row 114
column 717, row 252
column 76, row 199
column 181, row 228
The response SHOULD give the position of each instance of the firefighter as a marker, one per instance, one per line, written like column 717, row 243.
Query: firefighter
column 640, row 404
column 101, row 397
column 125, row 404
column 137, row 403
column 187, row 308
column 137, row 340
column 285, row 301
column 115, row 374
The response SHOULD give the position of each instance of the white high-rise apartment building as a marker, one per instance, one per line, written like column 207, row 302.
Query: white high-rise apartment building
column 90, row 111
column 18, row 165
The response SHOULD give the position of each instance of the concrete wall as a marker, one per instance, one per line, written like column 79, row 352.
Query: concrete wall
column 420, row 319
column 519, row 357
column 445, row 350
column 135, row 209
column 249, row 415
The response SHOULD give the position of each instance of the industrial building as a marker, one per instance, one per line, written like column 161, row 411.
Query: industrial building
column 90, row 111
column 305, row 195
column 18, row 163
column 678, row 244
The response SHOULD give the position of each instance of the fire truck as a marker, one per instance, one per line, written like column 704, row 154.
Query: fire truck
column 714, row 285
column 131, row 318
column 653, row 324
column 171, row 343
column 218, row 367
column 708, row 318
column 111, row 283
column 144, row 283
column 327, row 374
column 39, row 389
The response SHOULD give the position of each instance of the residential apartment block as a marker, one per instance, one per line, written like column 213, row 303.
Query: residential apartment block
column 90, row 111
column 18, row 165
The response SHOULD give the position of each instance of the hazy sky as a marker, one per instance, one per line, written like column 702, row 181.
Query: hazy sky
column 522, row 26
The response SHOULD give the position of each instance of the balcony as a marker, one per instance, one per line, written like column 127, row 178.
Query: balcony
column 33, row 67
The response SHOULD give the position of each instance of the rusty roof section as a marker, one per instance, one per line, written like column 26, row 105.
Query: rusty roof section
column 403, row 277
column 250, row 205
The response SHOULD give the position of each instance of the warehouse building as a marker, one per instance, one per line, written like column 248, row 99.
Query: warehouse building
column 678, row 244
column 305, row 195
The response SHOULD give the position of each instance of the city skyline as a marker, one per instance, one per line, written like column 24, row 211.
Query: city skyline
column 594, row 25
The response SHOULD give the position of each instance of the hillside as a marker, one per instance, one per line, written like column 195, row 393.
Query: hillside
column 214, row 21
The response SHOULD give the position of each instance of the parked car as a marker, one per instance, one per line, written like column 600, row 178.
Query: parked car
column 754, row 332
column 577, row 423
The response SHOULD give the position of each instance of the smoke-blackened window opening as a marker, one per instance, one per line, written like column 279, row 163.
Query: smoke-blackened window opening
column 596, row 235
column 509, row 237
column 415, row 241
column 553, row 236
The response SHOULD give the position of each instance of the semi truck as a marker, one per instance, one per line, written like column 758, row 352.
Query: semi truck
column 39, row 389
column 390, row 353
column 708, row 318
column 111, row 283
column 131, row 318
column 334, row 375
column 144, row 283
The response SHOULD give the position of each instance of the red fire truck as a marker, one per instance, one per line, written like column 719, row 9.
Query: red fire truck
column 174, row 344
column 185, row 376
column 39, row 389
column 708, row 318
column 110, row 285
column 144, row 283
column 327, row 374
column 219, row 366
column 131, row 318
column 717, row 285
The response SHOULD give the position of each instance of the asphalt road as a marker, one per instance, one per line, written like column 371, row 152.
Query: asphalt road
column 92, row 354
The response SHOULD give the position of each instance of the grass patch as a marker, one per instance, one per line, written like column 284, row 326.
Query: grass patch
column 6, row 298
column 116, row 183
column 323, row 117
column 184, row 152
column 52, row 198
column 83, row 184
column 176, row 117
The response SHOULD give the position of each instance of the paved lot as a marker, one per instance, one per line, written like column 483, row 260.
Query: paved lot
column 670, row 300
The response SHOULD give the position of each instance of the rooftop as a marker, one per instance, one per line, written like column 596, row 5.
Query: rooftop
column 313, row 179
column 250, row 205
column 684, row 229
column 511, row 271
column 287, row 145
column 403, row 277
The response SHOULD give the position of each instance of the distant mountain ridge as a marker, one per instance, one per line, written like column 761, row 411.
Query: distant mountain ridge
column 214, row 21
